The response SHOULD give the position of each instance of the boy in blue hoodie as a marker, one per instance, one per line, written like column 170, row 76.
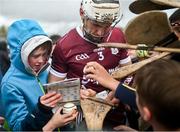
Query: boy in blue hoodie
column 25, row 104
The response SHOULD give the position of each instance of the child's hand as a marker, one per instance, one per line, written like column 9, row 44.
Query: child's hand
column 50, row 99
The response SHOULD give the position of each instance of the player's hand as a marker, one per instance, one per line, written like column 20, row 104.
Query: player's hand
column 50, row 99
column 112, row 99
column 85, row 93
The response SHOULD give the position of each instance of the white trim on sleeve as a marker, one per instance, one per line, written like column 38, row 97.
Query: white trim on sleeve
column 126, row 60
column 58, row 74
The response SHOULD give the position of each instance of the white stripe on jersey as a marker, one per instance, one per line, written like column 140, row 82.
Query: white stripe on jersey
column 126, row 60
column 55, row 73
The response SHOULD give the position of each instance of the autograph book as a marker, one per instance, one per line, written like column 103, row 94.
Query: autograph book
column 69, row 89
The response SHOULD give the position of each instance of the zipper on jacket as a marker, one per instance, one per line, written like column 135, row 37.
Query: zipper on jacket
column 40, row 85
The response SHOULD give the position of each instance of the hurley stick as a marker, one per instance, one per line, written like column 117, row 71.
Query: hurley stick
column 139, row 47
column 129, row 69
column 94, row 111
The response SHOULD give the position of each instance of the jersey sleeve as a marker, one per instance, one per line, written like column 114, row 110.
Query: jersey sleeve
column 58, row 65
column 124, row 56
column 123, row 53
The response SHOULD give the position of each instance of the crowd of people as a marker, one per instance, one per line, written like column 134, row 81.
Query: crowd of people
column 26, row 106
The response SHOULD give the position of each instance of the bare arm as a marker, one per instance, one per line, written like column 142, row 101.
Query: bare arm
column 59, row 120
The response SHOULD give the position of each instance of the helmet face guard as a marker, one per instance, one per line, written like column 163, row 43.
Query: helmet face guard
column 89, row 33
column 100, row 11
column 92, row 38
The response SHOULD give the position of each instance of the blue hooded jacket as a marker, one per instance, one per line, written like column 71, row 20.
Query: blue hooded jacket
column 20, row 89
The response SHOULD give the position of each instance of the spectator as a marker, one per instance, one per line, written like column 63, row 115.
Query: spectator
column 155, row 101
column 22, row 84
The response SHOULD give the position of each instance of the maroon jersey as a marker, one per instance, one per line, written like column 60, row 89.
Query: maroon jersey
column 73, row 51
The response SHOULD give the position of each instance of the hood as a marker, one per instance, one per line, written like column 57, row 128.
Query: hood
column 23, row 37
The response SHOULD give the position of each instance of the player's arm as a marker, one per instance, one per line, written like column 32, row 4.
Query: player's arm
column 54, row 78
column 126, row 61
column 57, row 72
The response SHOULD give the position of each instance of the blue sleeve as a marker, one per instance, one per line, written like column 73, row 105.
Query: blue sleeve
column 16, row 111
column 126, row 95
column 37, row 119
column 13, row 105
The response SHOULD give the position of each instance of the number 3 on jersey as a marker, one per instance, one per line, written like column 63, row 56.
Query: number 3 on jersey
column 101, row 56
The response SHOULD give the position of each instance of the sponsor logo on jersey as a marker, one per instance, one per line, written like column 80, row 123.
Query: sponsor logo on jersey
column 86, row 81
column 82, row 57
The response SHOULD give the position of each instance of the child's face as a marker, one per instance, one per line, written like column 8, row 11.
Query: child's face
column 38, row 58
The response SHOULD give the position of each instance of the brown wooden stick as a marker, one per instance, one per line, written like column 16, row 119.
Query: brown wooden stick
column 135, row 47
column 95, row 113
column 129, row 69
column 101, row 101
